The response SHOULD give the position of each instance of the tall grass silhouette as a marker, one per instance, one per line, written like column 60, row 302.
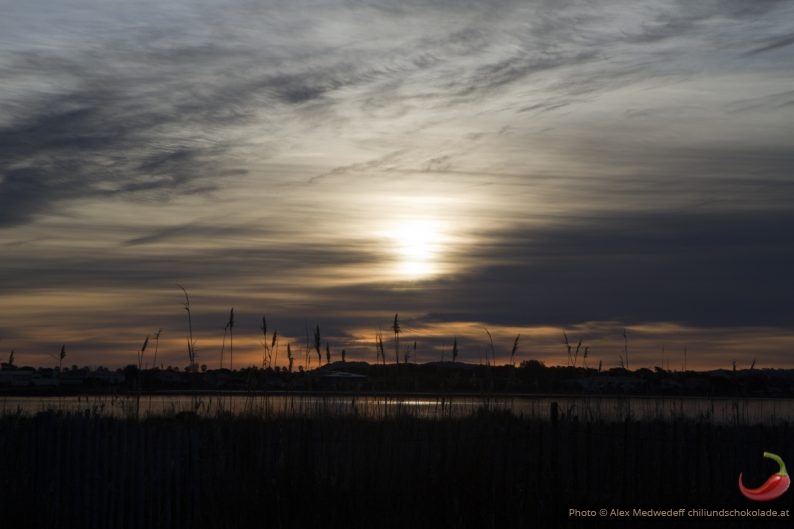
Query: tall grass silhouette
column 191, row 344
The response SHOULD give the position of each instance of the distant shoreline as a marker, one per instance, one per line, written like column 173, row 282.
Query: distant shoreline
column 39, row 392
column 531, row 379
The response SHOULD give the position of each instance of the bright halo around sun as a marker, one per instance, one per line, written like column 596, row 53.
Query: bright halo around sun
column 417, row 245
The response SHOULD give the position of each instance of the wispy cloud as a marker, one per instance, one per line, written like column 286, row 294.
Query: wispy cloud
column 773, row 44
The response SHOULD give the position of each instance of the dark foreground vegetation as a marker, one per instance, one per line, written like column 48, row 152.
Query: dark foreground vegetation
column 490, row 470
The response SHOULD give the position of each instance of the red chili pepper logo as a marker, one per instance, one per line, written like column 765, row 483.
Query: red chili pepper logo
column 774, row 487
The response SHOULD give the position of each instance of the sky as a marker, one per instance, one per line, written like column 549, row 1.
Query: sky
column 525, row 168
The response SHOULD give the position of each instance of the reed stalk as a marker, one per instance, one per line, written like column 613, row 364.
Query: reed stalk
column 191, row 345
column 396, row 329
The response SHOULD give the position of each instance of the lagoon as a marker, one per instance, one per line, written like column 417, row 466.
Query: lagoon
column 553, row 407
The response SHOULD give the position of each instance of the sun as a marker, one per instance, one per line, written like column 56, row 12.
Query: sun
column 417, row 246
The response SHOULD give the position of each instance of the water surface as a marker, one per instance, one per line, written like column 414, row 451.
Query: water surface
column 583, row 408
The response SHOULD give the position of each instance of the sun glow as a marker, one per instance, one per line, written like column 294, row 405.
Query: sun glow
column 417, row 245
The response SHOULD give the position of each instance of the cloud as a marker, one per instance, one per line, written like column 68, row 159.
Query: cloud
column 90, row 144
column 24, row 191
column 699, row 269
column 623, row 161
column 773, row 44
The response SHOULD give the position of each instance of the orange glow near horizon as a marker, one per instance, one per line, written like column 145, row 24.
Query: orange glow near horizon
column 652, row 344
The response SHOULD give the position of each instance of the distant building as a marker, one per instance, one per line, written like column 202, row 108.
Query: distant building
column 338, row 380
column 10, row 376
column 105, row 376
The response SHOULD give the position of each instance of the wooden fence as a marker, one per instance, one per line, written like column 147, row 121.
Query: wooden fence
column 491, row 470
